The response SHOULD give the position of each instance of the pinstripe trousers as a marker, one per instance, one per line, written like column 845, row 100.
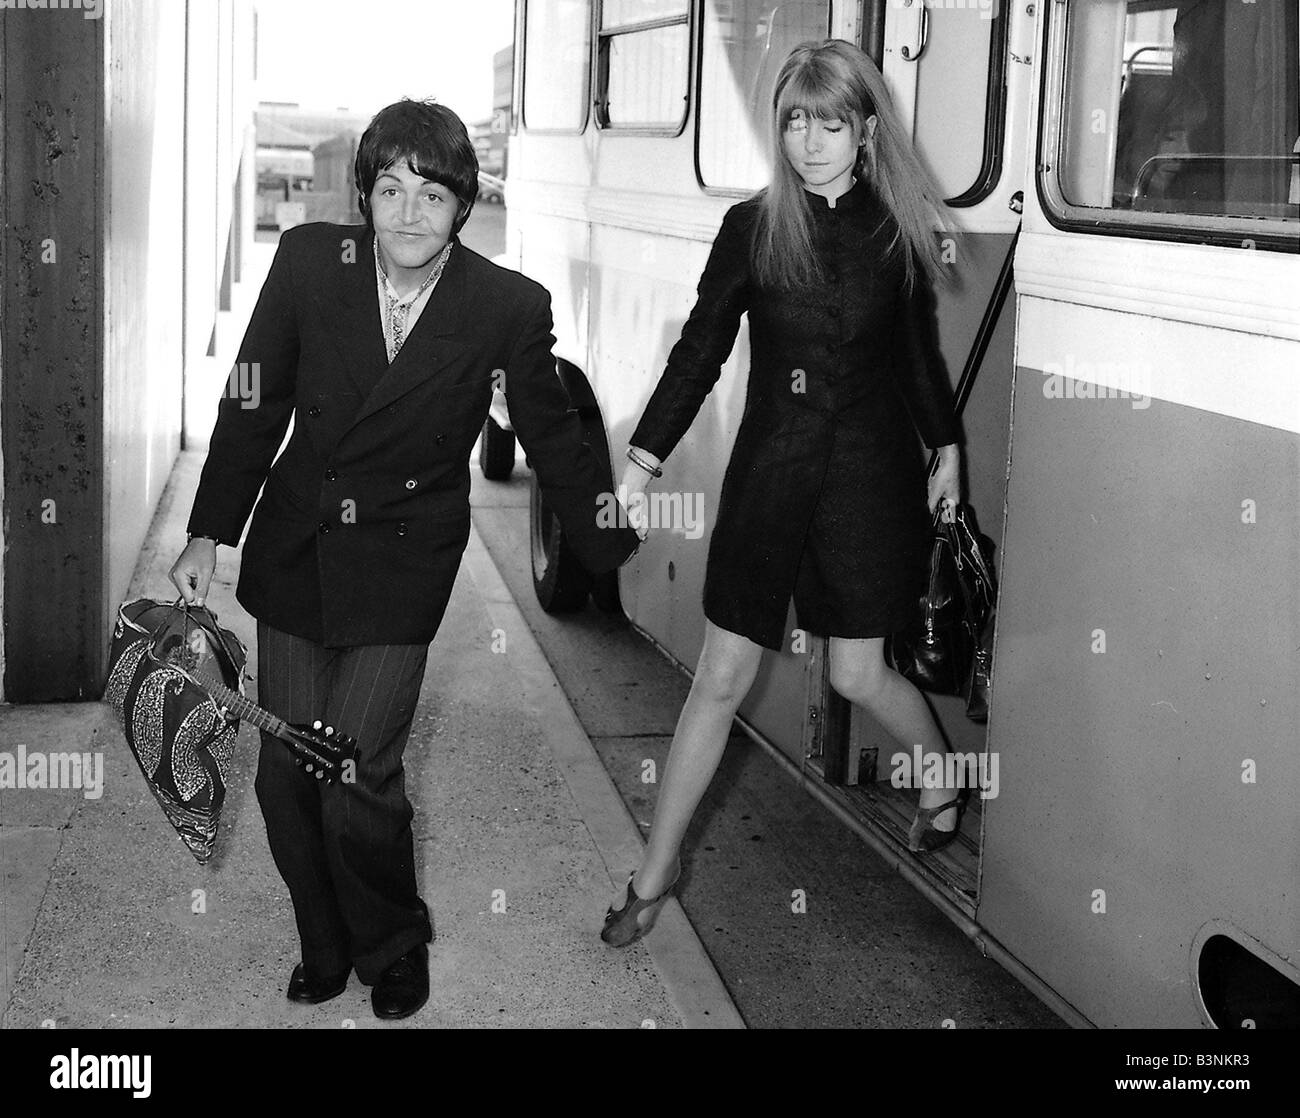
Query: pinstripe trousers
column 345, row 851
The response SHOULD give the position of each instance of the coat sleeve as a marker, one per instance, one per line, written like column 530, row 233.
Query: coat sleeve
column 254, row 411
column 707, row 338
column 577, row 487
column 920, row 372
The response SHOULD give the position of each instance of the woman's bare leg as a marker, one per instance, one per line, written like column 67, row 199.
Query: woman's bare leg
column 860, row 674
column 723, row 678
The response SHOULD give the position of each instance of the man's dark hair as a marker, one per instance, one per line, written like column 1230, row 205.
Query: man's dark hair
column 433, row 141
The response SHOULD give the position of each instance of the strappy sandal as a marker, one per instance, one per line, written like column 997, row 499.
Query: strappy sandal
column 924, row 837
column 624, row 925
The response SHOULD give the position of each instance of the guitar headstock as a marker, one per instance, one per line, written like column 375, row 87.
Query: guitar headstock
column 322, row 750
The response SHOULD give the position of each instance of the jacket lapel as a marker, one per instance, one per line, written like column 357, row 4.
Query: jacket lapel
column 358, row 330
column 427, row 345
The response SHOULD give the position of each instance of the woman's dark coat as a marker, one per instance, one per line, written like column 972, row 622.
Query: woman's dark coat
column 824, row 498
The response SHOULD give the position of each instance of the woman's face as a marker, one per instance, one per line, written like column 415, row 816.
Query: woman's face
column 824, row 152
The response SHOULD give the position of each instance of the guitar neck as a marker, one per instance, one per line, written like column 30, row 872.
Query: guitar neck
column 247, row 710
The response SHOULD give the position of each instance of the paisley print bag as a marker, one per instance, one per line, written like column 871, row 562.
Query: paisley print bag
column 182, row 741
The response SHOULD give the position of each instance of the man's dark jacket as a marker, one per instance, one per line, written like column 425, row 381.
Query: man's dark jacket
column 359, row 532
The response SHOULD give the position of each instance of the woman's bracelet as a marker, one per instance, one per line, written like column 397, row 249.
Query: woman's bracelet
column 637, row 460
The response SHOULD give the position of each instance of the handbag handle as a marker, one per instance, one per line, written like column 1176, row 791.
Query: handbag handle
column 206, row 620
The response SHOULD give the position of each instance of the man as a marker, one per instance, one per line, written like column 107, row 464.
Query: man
column 384, row 343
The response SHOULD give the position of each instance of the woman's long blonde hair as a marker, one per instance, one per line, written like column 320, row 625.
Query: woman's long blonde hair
column 834, row 80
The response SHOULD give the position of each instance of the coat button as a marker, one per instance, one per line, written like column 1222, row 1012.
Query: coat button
column 330, row 475
column 410, row 483
column 829, row 347
column 440, row 439
column 834, row 312
column 401, row 528
column 324, row 527
column 313, row 411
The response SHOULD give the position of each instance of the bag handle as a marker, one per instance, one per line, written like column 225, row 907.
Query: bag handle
column 206, row 620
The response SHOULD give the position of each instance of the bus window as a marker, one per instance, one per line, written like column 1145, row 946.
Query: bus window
column 644, row 51
column 557, row 64
column 745, row 42
column 958, row 131
column 1189, row 107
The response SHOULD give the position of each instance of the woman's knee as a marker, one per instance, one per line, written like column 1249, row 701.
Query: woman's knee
column 858, row 671
column 727, row 667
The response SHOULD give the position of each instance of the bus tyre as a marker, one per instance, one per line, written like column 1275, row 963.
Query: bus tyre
column 496, row 451
column 560, row 581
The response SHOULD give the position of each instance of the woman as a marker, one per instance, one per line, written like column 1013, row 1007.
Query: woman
column 824, row 498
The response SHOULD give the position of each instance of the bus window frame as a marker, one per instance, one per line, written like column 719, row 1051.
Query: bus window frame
column 995, row 115
column 698, row 90
column 1246, row 233
column 522, row 38
column 872, row 41
column 600, row 69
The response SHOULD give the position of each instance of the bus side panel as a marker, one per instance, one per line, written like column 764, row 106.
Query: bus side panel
column 1145, row 697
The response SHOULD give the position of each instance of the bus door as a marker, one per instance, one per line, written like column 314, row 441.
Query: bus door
column 957, row 75
column 1142, row 854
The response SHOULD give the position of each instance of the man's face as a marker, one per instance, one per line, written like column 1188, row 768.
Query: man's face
column 413, row 216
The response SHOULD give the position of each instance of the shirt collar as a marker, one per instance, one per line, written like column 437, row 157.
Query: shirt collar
column 854, row 198
column 425, row 284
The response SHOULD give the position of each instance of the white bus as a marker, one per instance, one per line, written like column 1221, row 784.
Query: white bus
column 1132, row 441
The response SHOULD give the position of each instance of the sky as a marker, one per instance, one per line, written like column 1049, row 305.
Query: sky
column 364, row 55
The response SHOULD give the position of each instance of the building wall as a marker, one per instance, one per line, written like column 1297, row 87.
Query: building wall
column 144, row 207
column 220, row 190
column 131, row 129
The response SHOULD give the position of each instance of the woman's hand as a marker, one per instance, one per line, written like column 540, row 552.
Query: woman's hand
column 191, row 574
column 945, row 484
column 631, row 492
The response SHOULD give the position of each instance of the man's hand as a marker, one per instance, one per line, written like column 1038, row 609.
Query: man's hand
column 631, row 492
column 191, row 574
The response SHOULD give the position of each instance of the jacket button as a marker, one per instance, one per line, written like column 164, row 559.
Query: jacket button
column 313, row 411
column 410, row 483
column 440, row 439
column 401, row 528
column 324, row 527
column 834, row 312
column 330, row 475
column 829, row 347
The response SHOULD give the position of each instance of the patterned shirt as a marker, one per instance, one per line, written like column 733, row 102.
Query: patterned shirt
column 399, row 313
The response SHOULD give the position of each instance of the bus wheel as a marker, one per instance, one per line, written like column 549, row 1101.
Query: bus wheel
column 560, row 581
column 496, row 451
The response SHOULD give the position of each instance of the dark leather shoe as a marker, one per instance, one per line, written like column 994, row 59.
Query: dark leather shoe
column 310, row 989
column 403, row 987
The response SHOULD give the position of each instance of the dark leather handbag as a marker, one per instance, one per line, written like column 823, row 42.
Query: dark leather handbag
column 947, row 650
column 180, row 737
